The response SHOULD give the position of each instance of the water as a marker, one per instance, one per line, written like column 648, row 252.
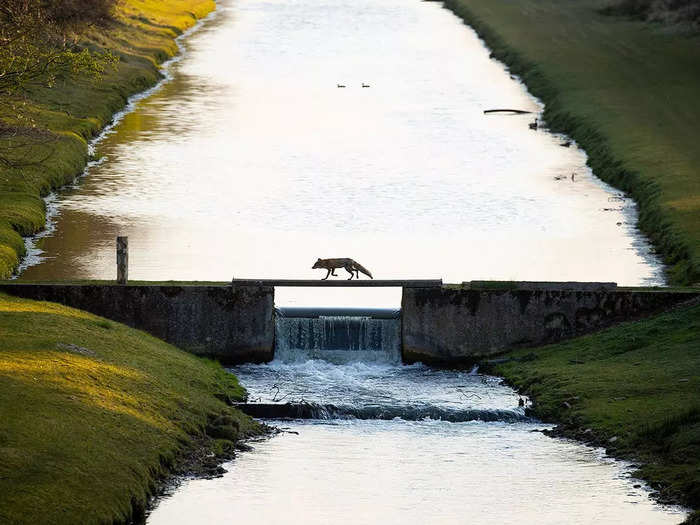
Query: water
column 408, row 445
column 251, row 162
column 361, row 336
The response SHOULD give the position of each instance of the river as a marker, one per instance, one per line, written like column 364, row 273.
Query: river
column 405, row 444
column 250, row 161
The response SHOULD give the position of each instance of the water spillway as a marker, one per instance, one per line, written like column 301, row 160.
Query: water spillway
column 338, row 335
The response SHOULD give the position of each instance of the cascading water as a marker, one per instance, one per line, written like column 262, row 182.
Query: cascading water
column 337, row 335
column 367, row 439
column 345, row 363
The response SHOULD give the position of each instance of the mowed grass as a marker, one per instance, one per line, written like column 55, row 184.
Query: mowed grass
column 75, row 110
column 94, row 412
column 627, row 91
column 635, row 386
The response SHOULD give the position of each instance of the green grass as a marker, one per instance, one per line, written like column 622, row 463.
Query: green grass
column 627, row 91
column 76, row 110
column 94, row 413
column 635, row 386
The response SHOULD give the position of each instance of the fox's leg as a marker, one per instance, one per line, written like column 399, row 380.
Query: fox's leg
column 333, row 273
column 326, row 277
column 349, row 269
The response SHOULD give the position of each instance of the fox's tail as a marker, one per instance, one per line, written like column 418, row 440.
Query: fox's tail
column 364, row 270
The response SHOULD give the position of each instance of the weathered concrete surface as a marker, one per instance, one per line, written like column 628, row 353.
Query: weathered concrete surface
column 342, row 283
column 460, row 324
column 232, row 324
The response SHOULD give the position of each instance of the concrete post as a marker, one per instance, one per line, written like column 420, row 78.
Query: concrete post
column 122, row 260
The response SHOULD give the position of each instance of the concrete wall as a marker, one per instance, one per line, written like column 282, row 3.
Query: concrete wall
column 455, row 325
column 447, row 325
column 232, row 324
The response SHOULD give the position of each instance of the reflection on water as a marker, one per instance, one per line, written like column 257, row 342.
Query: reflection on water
column 407, row 471
column 251, row 162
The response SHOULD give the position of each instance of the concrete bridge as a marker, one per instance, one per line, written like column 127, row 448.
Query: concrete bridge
column 441, row 324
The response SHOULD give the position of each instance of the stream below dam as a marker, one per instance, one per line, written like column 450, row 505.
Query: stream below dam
column 251, row 161
column 404, row 444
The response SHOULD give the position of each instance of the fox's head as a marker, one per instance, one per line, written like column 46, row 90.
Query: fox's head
column 317, row 264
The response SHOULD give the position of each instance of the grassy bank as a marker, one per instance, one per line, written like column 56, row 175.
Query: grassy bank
column 142, row 36
column 94, row 413
column 627, row 91
column 633, row 389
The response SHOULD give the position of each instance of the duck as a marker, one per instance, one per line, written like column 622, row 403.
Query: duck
column 365, row 85
column 340, row 85
column 534, row 124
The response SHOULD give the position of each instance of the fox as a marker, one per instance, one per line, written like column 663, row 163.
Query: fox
column 352, row 267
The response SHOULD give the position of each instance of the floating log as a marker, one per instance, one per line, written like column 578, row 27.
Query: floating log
column 514, row 111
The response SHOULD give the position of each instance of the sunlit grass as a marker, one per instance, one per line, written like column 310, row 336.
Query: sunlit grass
column 142, row 36
column 627, row 91
column 637, row 384
column 93, row 412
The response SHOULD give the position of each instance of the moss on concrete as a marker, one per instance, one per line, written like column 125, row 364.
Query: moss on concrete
column 633, row 389
column 94, row 414
column 76, row 110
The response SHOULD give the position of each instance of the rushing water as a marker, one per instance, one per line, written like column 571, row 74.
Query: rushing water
column 409, row 445
column 365, row 335
column 251, row 162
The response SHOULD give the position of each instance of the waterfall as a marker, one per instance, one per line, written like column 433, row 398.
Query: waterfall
column 338, row 335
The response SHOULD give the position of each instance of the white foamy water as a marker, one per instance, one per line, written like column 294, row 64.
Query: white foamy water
column 388, row 443
column 486, row 463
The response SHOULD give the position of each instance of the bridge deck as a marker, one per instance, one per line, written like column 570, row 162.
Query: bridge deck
column 355, row 283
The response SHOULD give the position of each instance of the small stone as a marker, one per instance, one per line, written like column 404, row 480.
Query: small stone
column 684, row 380
column 637, row 486
column 70, row 347
column 566, row 405
column 613, row 439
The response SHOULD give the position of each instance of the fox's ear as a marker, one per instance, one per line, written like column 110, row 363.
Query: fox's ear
column 318, row 260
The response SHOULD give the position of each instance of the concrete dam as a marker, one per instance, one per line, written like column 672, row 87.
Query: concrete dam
column 439, row 324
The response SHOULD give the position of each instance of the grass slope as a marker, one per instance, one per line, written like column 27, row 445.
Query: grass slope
column 633, row 389
column 94, row 412
column 627, row 91
column 75, row 111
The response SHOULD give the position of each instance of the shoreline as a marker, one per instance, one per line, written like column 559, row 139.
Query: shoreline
column 33, row 252
column 649, row 419
column 142, row 71
column 680, row 264
column 97, row 400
